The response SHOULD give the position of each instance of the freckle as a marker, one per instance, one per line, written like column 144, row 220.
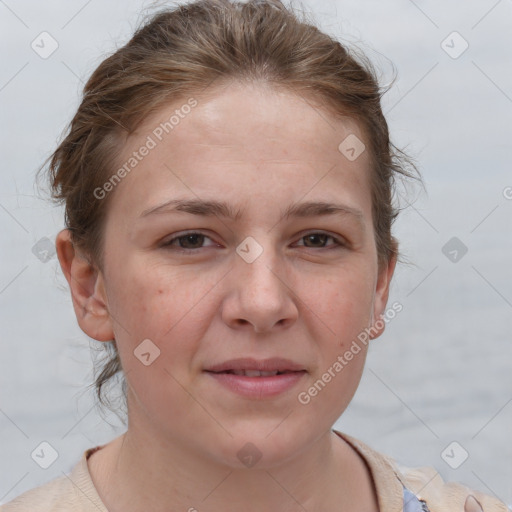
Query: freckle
column 160, row 291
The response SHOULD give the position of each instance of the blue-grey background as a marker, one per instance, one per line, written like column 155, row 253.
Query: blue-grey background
column 442, row 370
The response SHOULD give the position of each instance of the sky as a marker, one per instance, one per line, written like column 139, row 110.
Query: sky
column 450, row 107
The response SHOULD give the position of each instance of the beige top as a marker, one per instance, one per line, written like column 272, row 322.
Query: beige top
column 77, row 493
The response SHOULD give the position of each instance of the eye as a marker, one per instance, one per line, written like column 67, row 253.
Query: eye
column 319, row 239
column 187, row 241
column 194, row 240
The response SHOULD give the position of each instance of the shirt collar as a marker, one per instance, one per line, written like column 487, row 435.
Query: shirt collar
column 388, row 484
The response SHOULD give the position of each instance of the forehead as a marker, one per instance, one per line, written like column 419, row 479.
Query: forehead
column 250, row 113
column 240, row 136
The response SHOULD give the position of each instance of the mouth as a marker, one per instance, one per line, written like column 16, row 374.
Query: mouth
column 257, row 379
column 256, row 367
column 255, row 373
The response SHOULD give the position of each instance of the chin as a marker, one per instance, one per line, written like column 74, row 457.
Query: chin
column 260, row 446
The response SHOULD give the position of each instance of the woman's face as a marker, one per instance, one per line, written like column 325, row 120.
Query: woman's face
column 251, row 282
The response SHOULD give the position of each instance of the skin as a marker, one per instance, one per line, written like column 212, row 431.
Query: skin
column 303, row 299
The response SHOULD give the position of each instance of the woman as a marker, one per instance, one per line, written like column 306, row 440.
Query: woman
column 228, row 183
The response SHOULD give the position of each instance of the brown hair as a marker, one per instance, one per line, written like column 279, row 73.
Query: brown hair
column 179, row 52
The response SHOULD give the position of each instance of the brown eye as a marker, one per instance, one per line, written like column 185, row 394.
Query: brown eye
column 316, row 239
column 191, row 241
column 187, row 242
column 319, row 241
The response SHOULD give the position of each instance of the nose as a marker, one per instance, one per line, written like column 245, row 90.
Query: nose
column 259, row 297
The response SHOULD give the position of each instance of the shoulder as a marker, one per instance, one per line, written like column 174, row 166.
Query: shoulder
column 440, row 496
column 423, row 488
column 55, row 495
column 74, row 492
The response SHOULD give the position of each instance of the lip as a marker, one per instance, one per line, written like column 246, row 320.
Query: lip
column 258, row 387
column 263, row 365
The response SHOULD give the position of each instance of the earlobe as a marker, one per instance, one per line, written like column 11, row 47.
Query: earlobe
column 381, row 296
column 87, row 288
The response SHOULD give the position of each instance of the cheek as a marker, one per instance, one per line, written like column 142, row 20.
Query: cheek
column 153, row 299
column 170, row 308
column 167, row 309
column 344, row 305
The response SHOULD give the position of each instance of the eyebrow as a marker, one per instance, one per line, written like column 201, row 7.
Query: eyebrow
column 222, row 209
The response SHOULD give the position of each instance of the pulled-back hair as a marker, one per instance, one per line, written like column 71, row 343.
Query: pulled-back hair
column 180, row 52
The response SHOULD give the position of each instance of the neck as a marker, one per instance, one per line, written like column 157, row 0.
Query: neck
column 138, row 472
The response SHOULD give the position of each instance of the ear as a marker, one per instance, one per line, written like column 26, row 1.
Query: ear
column 87, row 289
column 381, row 296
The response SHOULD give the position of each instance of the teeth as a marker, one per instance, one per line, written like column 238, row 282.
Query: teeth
column 254, row 373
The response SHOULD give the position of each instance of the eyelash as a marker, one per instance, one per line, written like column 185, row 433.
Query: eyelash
column 168, row 244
